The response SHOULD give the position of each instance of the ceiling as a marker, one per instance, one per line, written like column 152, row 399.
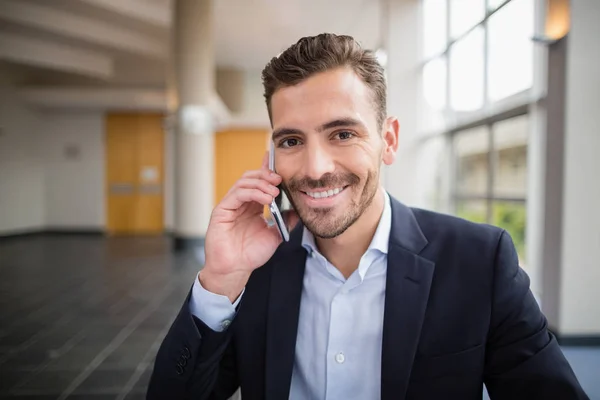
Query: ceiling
column 124, row 43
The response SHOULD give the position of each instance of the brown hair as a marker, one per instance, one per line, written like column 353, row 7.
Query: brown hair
column 314, row 54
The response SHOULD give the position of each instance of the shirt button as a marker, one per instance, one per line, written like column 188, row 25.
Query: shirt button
column 225, row 323
column 340, row 358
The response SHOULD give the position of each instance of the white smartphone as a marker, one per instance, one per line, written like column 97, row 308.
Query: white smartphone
column 273, row 207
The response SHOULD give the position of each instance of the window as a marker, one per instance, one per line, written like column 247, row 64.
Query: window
column 478, row 59
column 466, row 72
column 510, row 49
column 491, row 176
column 493, row 4
column 434, row 27
column 476, row 53
column 465, row 14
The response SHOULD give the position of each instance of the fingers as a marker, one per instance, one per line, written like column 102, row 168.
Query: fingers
column 261, row 184
column 265, row 174
column 255, row 186
column 236, row 198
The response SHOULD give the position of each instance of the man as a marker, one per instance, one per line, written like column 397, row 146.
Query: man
column 370, row 299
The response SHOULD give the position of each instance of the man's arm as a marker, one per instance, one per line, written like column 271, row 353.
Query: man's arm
column 196, row 359
column 523, row 358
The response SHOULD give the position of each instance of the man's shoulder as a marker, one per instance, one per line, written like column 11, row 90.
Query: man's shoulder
column 444, row 230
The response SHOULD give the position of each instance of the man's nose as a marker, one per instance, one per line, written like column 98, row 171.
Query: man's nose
column 318, row 161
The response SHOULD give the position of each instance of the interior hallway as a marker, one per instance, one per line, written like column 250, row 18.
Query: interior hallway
column 81, row 317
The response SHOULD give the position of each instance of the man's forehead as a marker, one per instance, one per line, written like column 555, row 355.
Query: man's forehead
column 330, row 95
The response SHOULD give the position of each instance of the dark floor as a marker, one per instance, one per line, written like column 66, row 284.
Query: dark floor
column 82, row 317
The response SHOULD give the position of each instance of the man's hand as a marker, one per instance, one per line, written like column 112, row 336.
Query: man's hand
column 238, row 239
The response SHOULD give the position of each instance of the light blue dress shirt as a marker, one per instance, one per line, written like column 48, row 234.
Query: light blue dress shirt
column 338, row 345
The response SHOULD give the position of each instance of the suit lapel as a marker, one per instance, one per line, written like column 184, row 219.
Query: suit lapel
column 282, row 318
column 407, row 291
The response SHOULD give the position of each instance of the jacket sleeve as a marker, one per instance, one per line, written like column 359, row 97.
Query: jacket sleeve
column 194, row 362
column 523, row 359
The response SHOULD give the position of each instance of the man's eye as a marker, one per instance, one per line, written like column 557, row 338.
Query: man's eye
column 291, row 142
column 344, row 135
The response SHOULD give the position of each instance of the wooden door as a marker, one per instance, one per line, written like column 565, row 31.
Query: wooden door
column 134, row 173
column 237, row 151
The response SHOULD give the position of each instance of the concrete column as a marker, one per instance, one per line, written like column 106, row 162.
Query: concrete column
column 194, row 149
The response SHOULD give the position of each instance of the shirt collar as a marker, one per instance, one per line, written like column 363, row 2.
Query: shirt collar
column 380, row 241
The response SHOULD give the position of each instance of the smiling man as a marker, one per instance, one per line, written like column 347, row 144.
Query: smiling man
column 369, row 299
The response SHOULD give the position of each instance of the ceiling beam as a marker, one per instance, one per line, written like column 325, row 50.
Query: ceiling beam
column 145, row 11
column 124, row 99
column 45, row 54
column 81, row 28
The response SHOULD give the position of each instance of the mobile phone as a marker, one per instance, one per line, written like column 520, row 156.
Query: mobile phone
column 273, row 207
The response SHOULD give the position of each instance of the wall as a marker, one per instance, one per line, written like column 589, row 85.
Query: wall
column 21, row 167
column 74, row 162
column 253, row 110
column 580, row 299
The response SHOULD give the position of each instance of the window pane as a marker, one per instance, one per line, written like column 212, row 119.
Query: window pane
column 510, row 147
column 510, row 65
column 465, row 14
column 512, row 216
column 434, row 27
column 466, row 72
column 434, row 95
column 471, row 149
column 434, row 83
column 493, row 4
column 472, row 210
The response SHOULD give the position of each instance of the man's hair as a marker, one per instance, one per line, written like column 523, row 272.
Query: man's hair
column 314, row 54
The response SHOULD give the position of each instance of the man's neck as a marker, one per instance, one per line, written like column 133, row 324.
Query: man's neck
column 346, row 250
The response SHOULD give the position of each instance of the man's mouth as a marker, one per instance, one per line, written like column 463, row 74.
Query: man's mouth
column 323, row 194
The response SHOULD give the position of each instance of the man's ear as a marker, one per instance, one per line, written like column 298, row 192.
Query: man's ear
column 391, row 129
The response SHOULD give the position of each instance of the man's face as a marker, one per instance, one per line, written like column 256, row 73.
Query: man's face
column 328, row 149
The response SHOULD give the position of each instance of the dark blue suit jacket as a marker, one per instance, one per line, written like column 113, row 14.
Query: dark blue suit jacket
column 458, row 314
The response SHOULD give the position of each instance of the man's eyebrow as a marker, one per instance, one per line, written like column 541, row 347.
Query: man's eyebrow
column 285, row 132
column 340, row 122
column 336, row 123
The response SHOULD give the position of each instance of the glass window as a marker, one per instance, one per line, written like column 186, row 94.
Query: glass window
column 465, row 14
column 501, row 202
column 512, row 216
column 466, row 72
column 434, row 83
column 472, row 210
column 510, row 49
column 432, row 102
column 434, row 27
column 493, row 4
column 510, row 148
column 471, row 149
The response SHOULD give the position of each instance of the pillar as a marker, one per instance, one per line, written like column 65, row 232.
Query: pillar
column 194, row 68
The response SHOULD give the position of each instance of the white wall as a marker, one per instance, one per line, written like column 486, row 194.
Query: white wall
column 74, row 184
column 580, row 298
column 21, row 167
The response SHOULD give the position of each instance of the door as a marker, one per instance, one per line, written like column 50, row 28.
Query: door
column 134, row 173
column 237, row 151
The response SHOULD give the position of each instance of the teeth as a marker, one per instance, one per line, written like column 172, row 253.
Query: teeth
column 322, row 195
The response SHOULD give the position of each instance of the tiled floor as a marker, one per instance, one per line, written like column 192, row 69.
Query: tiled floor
column 82, row 317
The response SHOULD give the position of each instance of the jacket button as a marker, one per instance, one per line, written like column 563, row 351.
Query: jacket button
column 182, row 361
column 186, row 352
column 179, row 369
